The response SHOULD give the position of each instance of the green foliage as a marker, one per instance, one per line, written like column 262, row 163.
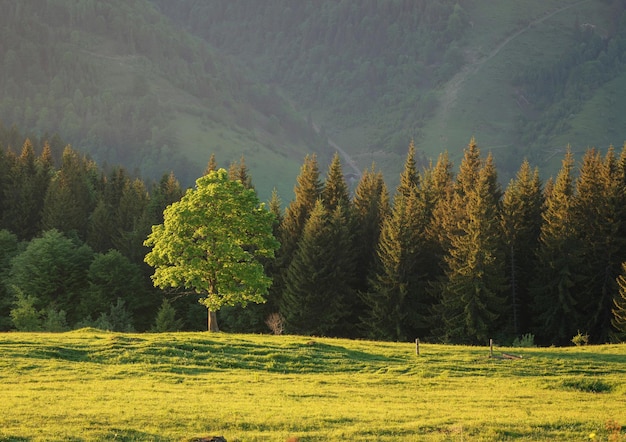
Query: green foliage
column 318, row 280
column 580, row 339
column 525, row 341
column 117, row 319
column 210, row 242
column 166, row 319
column 53, row 268
column 55, row 321
column 24, row 315
column 473, row 290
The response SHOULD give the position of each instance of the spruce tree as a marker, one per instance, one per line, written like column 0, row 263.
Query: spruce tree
column 618, row 321
column 71, row 196
column 335, row 191
column 472, row 292
column 371, row 207
column 598, row 211
column 317, row 281
column 521, row 217
column 239, row 172
column 23, row 196
column 307, row 191
column 556, row 309
column 211, row 165
column 396, row 299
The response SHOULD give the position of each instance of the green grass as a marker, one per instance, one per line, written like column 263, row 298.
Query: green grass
column 91, row 385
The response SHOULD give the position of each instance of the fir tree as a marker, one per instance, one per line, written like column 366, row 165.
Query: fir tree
column 522, row 208
column 396, row 299
column 556, row 309
column 472, row 293
column 239, row 172
column 598, row 211
column 317, row 282
column 307, row 191
column 335, row 191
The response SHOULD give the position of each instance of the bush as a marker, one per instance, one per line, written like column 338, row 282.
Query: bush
column 55, row 321
column 580, row 339
column 118, row 319
column 527, row 340
column 276, row 323
column 166, row 319
column 24, row 316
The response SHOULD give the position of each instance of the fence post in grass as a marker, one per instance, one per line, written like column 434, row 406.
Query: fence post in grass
column 417, row 346
column 491, row 348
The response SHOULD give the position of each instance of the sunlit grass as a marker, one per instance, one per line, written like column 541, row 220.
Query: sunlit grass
column 91, row 385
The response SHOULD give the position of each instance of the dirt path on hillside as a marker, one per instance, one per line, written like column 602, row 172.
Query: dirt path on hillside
column 451, row 89
column 345, row 155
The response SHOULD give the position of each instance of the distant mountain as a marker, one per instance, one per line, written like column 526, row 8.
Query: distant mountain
column 525, row 78
column 118, row 80
column 158, row 85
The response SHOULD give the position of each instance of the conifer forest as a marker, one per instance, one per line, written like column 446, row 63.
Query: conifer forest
column 448, row 256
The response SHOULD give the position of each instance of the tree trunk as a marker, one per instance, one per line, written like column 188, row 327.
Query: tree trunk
column 213, row 321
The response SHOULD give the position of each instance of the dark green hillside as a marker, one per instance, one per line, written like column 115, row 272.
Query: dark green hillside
column 116, row 79
column 525, row 78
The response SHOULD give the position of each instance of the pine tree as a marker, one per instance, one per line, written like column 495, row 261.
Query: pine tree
column 598, row 211
column 71, row 197
column 472, row 293
column 307, row 191
column 371, row 207
column 22, row 212
column 239, row 172
column 396, row 299
column 556, row 308
column 522, row 207
column 317, row 279
column 335, row 191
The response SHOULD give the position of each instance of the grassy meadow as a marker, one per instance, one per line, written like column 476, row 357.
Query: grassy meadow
column 91, row 385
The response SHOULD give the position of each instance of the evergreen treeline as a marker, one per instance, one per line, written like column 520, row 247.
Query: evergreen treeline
column 451, row 257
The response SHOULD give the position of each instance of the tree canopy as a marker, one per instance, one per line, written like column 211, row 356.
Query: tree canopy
column 210, row 242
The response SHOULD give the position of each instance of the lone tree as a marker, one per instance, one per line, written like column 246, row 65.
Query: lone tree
column 210, row 242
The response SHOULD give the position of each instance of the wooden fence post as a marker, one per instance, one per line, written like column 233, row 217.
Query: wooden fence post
column 491, row 348
column 417, row 346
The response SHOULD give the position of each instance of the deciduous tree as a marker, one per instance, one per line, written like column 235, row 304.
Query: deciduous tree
column 210, row 242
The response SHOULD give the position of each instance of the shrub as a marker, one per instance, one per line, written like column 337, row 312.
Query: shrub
column 580, row 339
column 24, row 316
column 527, row 340
column 55, row 321
column 166, row 319
column 276, row 323
column 118, row 319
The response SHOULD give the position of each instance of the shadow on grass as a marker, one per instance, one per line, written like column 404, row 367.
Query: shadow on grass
column 130, row 435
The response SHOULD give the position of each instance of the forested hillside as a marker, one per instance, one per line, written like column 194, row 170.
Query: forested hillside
column 527, row 78
column 118, row 81
column 451, row 257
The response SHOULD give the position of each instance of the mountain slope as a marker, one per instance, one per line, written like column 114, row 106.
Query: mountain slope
column 376, row 74
column 118, row 80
